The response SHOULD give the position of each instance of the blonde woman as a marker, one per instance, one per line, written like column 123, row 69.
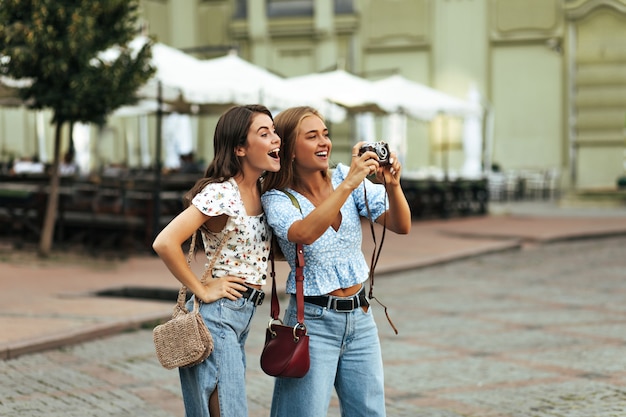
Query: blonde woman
column 344, row 346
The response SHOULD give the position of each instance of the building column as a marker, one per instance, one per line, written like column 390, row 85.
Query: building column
column 183, row 23
column 258, row 32
column 326, row 45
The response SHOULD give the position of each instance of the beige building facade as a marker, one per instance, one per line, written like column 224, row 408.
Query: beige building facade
column 552, row 73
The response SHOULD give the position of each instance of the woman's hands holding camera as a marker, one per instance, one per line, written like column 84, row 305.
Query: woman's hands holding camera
column 365, row 161
column 390, row 173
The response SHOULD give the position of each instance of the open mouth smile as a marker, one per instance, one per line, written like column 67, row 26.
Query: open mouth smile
column 274, row 153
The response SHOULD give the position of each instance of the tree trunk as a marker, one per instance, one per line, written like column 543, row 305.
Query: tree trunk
column 47, row 232
column 71, row 148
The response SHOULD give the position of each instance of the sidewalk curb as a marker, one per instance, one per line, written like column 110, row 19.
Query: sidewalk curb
column 507, row 245
column 13, row 350
column 88, row 333
column 562, row 237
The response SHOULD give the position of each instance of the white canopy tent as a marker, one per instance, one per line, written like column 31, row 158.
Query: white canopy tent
column 396, row 98
column 401, row 95
column 350, row 91
column 189, row 85
column 231, row 79
column 424, row 103
column 354, row 93
column 192, row 85
column 8, row 91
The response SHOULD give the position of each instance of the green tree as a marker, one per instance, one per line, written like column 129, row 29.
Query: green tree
column 58, row 45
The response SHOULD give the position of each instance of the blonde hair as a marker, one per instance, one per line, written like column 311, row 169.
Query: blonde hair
column 287, row 124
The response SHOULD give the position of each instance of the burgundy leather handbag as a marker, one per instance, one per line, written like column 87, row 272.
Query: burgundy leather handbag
column 286, row 350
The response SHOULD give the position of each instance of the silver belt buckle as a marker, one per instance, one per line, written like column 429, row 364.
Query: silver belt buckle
column 259, row 296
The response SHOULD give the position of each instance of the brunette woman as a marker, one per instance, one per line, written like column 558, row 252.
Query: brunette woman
column 226, row 204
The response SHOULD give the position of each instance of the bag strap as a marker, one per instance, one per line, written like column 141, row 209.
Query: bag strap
column 275, row 308
column 182, row 293
column 376, row 254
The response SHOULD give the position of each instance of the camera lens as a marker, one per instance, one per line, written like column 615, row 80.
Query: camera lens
column 383, row 153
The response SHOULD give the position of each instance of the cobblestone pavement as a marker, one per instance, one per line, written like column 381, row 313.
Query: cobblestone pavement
column 537, row 332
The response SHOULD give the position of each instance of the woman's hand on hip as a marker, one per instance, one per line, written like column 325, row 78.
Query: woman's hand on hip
column 225, row 287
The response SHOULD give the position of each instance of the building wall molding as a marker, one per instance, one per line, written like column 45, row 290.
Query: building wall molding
column 579, row 9
column 523, row 20
column 295, row 27
column 411, row 26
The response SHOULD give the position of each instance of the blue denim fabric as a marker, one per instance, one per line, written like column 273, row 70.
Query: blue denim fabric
column 229, row 324
column 345, row 354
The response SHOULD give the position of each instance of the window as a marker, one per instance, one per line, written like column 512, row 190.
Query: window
column 292, row 8
column 279, row 8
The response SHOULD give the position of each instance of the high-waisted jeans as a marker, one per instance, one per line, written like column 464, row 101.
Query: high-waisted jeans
column 229, row 324
column 345, row 354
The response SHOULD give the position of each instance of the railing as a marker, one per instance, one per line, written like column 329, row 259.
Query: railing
column 430, row 198
column 518, row 185
column 119, row 212
column 98, row 212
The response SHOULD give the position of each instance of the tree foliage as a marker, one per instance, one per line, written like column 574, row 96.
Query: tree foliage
column 59, row 46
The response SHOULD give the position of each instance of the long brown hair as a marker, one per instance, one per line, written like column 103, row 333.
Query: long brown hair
column 287, row 124
column 231, row 132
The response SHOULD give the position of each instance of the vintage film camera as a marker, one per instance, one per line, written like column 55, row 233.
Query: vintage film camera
column 380, row 148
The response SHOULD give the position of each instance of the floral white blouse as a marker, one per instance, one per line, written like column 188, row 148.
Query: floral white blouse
column 245, row 253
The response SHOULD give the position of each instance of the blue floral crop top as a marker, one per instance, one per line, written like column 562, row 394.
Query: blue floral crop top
column 335, row 260
column 246, row 251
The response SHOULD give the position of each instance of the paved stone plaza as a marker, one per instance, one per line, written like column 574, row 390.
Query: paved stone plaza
column 537, row 332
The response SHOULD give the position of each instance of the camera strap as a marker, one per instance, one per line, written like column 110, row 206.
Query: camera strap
column 376, row 251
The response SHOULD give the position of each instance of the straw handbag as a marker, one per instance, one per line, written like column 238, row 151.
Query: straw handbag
column 184, row 340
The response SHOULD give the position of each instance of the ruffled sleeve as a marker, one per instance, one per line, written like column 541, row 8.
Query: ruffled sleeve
column 376, row 197
column 222, row 198
column 280, row 212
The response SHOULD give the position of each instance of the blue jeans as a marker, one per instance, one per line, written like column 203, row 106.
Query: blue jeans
column 345, row 354
column 229, row 324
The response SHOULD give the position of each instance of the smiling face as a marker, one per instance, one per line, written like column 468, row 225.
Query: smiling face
column 262, row 145
column 313, row 145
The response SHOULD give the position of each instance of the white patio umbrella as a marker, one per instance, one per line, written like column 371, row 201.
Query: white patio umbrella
column 232, row 80
column 423, row 103
column 192, row 85
column 171, row 66
column 141, row 108
column 8, row 91
column 394, row 132
column 473, row 138
column 177, row 138
column 418, row 101
column 350, row 91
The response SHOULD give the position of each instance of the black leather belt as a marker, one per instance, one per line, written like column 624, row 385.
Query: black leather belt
column 253, row 295
column 339, row 304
